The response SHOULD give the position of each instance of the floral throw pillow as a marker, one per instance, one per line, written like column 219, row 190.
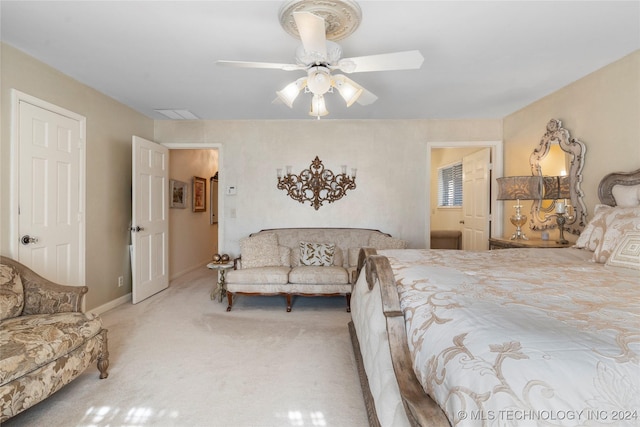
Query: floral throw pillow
column 319, row 254
column 618, row 221
column 11, row 293
column 627, row 253
column 593, row 233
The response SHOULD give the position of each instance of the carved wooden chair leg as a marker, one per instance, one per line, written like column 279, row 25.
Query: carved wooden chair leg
column 288, row 296
column 103, row 357
column 348, row 296
column 229, row 300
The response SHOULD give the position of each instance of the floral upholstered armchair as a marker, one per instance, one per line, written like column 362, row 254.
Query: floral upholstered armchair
column 46, row 339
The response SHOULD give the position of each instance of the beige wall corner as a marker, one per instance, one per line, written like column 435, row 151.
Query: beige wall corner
column 110, row 126
column 602, row 110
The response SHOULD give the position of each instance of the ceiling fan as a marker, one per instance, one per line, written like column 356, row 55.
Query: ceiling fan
column 319, row 57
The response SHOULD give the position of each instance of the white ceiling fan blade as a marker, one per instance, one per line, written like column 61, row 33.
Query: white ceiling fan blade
column 366, row 98
column 249, row 64
column 408, row 60
column 313, row 34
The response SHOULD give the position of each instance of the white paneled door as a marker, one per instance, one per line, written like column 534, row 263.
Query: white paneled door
column 51, row 191
column 475, row 204
column 150, row 224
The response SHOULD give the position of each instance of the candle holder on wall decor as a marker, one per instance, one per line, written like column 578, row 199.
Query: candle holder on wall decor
column 316, row 184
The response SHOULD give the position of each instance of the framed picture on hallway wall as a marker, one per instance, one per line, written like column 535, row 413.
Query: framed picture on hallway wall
column 199, row 194
column 177, row 194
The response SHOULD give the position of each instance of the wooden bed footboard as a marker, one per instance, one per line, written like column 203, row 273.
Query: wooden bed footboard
column 421, row 410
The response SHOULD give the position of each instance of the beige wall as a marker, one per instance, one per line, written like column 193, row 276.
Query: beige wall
column 110, row 126
column 192, row 237
column 602, row 110
column 390, row 156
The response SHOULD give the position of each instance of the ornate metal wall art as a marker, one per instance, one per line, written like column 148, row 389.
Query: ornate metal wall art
column 317, row 184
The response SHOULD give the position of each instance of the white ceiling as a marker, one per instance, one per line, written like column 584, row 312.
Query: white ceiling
column 483, row 59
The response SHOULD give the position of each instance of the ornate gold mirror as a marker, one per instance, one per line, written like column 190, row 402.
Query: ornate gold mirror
column 558, row 155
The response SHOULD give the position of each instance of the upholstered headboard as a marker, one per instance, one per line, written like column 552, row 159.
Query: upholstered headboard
column 620, row 189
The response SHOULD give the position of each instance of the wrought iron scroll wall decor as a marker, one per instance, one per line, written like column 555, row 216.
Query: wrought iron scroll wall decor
column 316, row 185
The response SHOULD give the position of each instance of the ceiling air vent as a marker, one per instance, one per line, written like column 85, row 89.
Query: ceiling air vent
column 178, row 114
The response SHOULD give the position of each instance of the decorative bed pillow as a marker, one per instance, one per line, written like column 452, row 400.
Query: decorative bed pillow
column 592, row 234
column 319, row 254
column 11, row 293
column 380, row 241
column 627, row 253
column 618, row 221
column 626, row 195
column 260, row 250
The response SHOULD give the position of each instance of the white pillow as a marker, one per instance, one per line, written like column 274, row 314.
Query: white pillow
column 260, row 250
column 319, row 254
column 626, row 195
column 627, row 253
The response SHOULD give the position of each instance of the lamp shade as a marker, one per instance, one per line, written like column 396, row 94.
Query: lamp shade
column 318, row 107
column 349, row 90
column 291, row 91
column 556, row 187
column 519, row 188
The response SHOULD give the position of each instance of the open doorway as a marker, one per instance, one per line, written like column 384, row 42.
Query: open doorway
column 453, row 150
column 193, row 228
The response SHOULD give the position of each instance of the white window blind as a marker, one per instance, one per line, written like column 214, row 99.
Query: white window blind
column 450, row 185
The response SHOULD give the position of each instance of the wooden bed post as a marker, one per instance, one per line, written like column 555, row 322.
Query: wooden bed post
column 421, row 410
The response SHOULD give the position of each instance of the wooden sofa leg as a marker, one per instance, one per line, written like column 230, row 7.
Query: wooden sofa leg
column 103, row 357
column 288, row 296
column 348, row 296
column 229, row 300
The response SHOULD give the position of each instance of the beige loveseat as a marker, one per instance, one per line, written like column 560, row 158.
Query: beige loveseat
column 302, row 261
column 45, row 339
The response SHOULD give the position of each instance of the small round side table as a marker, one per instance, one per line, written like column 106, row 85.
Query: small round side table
column 219, row 290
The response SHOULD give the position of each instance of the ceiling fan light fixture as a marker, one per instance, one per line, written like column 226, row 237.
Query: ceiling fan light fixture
column 318, row 107
column 349, row 90
column 319, row 80
column 291, row 91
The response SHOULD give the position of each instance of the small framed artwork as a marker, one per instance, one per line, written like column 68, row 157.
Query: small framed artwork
column 199, row 194
column 177, row 194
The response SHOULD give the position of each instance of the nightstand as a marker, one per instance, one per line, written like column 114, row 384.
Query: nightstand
column 503, row 243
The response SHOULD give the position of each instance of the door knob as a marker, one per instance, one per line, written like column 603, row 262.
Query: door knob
column 136, row 228
column 461, row 222
column 26, row 239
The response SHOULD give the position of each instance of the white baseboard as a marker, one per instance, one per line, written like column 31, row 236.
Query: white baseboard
column 112, row 304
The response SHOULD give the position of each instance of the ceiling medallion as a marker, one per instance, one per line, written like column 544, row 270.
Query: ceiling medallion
column 341, row 17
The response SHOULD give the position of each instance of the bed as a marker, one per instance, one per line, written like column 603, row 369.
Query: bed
column 506, row 337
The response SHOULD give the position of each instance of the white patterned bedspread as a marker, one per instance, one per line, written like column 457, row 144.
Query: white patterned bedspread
column 523, row 336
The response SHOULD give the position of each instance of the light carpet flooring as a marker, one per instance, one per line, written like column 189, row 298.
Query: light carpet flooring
column 179, row 359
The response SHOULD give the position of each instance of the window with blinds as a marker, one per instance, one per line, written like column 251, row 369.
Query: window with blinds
column 450, row 185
